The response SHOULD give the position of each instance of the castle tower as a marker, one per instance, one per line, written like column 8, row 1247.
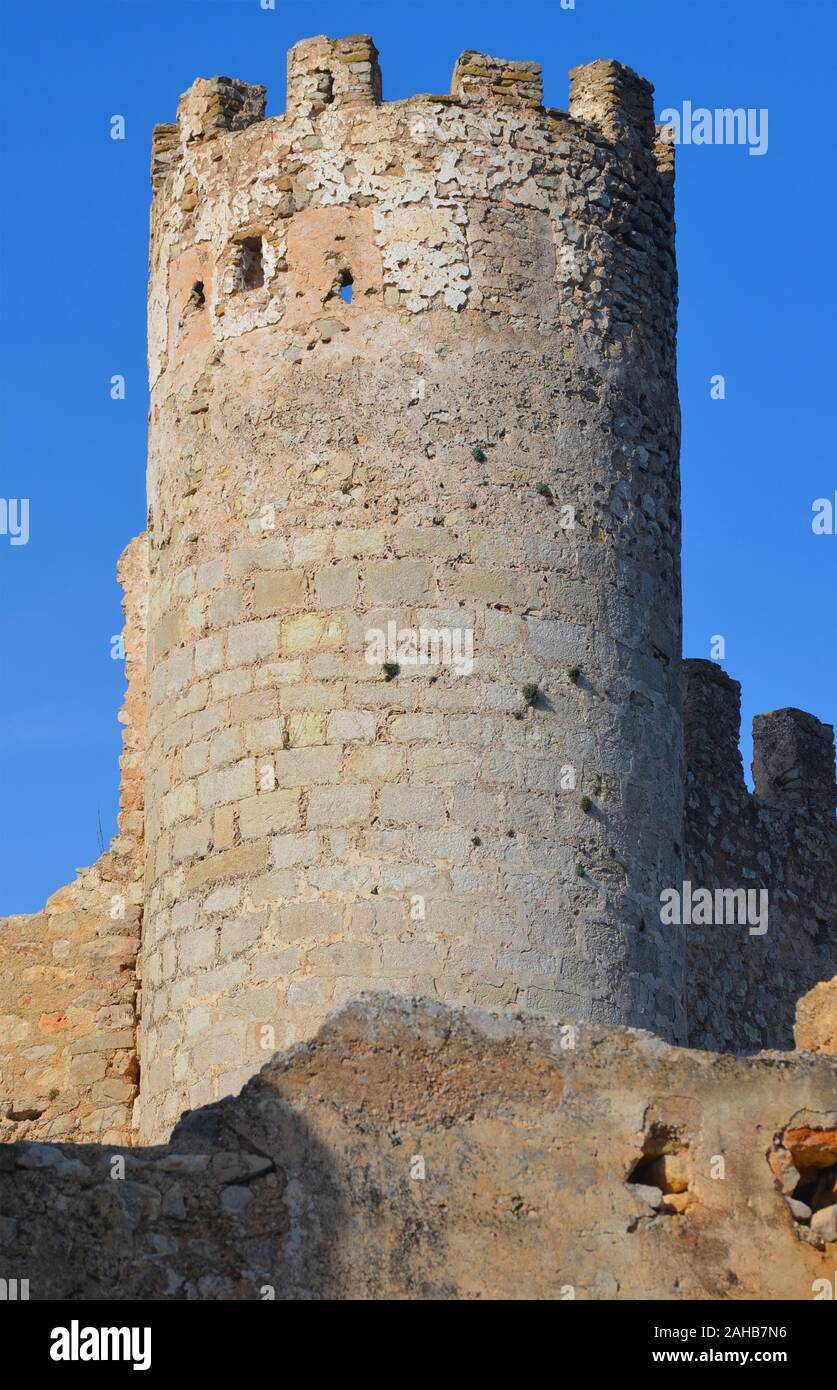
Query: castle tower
column 414, row 600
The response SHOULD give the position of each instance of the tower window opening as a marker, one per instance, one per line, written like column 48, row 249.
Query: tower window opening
column 250, row 266
column 324, row 88
column 342, row 285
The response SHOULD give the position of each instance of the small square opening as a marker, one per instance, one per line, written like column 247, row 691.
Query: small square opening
column 249, row 267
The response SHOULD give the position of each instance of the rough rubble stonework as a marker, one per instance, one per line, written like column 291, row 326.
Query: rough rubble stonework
column 815, row 1026
column 412, row 1151
column 483, row 442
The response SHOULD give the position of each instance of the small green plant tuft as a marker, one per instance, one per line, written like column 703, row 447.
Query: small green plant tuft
column 390, row 669
column 585, row 803
column 574, row 673
column 544, row 489
column 530, row 693
column 478, row 454
column 579, row 870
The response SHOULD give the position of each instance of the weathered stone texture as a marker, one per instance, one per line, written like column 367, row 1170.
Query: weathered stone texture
column 815, row 1029
column 411, row 1151
column 783, row 838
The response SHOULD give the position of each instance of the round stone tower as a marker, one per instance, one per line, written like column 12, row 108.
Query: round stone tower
column 414, row 605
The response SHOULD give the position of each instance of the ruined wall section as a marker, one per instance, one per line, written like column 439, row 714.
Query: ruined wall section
column 550, row 1172
column 68, row 985
column 318, row 469
column 783, row 837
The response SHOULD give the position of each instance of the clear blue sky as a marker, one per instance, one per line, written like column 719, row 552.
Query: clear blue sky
column 755, row 252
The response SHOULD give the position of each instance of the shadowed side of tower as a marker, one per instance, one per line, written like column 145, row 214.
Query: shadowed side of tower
column 414, row 598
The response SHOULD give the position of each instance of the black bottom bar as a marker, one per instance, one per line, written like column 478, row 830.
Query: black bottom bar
column 89, row 1338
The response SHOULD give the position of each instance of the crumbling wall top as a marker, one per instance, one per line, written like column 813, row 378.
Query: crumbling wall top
column 793, row 752
column 345, row 75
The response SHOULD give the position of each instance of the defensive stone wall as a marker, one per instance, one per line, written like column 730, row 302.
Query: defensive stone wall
column 781, row 838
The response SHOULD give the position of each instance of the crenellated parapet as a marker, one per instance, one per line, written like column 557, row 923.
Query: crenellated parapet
column 793, row 752
column 342, row 78
column 780, row 839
